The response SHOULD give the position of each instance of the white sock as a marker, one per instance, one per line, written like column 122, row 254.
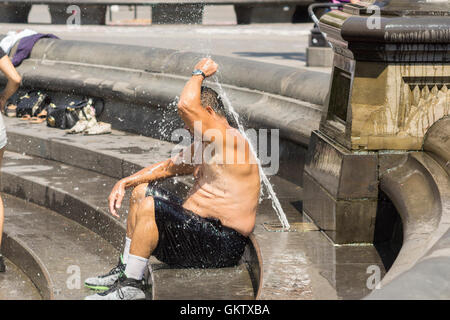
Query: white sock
column 136, row 267
column 126, row 250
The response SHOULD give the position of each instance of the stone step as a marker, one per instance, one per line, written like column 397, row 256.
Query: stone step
column 78, row 194
column 68, row 251
column 116, row 155
column 120, row 154
column 202, row 284
column 81, row 196
column 15, row 285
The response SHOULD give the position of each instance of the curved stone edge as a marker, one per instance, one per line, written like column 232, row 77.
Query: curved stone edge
column 76, row 155
column 142, row 98
column 253, row 259
column 66, row 204
column 413, row 190
column 301, row 84
column 437, row 143
column 422, row 267
column 295, row 119
column 24, row 257
column 96, row 219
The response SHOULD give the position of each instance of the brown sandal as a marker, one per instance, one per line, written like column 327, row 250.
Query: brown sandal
column 42, row 114
column 36, row 120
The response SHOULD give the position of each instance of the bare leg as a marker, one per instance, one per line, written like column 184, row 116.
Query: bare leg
column 145, row 236
column 130, row 284
column 136, row 198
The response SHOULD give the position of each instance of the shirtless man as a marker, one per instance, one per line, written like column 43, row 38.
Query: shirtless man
column 211, row 227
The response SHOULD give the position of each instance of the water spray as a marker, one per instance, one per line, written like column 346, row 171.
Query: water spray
column 272, row 195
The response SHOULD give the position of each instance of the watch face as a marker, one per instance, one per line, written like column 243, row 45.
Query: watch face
column 197, row 72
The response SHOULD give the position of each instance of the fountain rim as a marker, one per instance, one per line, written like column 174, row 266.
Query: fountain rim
column 391, row 29
column 403, row 7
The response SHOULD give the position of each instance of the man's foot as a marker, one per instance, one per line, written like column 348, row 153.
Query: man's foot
column 106, row 281
column 123, row 289
column 2, row 264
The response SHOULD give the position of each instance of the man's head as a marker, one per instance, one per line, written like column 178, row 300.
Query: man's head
column 211, row 101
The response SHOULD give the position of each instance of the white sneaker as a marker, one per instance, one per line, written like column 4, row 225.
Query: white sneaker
column 123, row 289
column 106, row 281
column 99, row 128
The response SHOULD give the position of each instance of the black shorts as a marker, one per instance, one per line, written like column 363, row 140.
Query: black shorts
column 188, row 240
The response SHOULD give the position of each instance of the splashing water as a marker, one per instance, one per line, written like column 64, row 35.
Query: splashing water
column 275, row 202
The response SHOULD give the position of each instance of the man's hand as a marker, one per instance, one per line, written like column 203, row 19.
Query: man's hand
column 116, row 197
column 208, row 66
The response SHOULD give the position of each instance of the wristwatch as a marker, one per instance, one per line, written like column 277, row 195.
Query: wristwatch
column 198, row 72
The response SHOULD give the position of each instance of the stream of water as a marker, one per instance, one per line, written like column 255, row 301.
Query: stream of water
column 272, row 195
column 205, row 48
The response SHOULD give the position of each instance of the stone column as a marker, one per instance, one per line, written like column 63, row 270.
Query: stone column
column 389, row 85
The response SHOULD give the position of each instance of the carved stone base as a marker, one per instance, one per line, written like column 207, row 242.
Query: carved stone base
column 341, row 190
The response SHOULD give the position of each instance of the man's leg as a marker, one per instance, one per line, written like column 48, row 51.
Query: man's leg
column 137, row 196
column 104, row 282
column 144, row 239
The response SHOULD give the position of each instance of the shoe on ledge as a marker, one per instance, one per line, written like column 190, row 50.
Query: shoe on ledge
column 123, row 289
column 106, row 281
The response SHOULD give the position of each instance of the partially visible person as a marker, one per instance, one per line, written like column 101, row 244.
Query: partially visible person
column 14, row 79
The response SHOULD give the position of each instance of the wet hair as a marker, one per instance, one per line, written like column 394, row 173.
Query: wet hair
column 211, row 98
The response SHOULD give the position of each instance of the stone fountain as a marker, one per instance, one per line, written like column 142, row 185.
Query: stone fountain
column 389, row 85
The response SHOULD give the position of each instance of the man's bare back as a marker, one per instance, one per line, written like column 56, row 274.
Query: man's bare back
column 228, row 192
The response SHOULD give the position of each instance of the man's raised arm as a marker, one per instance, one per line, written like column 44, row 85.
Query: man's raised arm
column 189, row 107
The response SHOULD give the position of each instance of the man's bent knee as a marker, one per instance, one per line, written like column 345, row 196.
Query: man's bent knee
column 139, row 192
column 147, row 207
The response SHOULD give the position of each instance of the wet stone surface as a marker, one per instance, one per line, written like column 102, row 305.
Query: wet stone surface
column 15, row 285
column 94, row 188
column 69, row 251
column 202, row 284
column 307, row 265
column 114, row 154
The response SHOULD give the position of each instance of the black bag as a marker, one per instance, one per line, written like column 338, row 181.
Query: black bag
column 32, row 103
column 65, row 116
